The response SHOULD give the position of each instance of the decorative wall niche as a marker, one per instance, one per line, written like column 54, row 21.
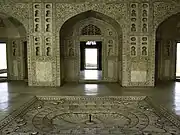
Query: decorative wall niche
column 133, row 46
column 133, row 17
column 167, row 49
column 14, row 48
column 144, row 45
column 48, row 17
column 48, row 51
column 48, row 46
column 110, row 47
column 37, row 17
column 144, row 17
column 37, row 28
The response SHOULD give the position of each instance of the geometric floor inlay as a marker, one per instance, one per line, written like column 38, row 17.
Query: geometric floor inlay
column 81, row 115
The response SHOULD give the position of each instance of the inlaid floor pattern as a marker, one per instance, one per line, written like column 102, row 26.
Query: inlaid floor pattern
column 75, row 115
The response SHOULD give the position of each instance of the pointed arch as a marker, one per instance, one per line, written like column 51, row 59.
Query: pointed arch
column 90, row 13
column 14, row 34
column 167, row 36
column 72, row 27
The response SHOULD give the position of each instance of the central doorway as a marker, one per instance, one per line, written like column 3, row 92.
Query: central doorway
column 91, row 60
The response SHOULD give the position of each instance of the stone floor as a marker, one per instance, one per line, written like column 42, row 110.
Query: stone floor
column 14, row 94
column 88, row 115
column 91, row 75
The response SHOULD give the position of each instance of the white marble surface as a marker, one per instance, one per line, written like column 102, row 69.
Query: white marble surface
column 138, row 76
column 44, row 71
column 91, row 75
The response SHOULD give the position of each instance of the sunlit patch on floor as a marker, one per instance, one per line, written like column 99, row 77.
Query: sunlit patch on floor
column 125, row 115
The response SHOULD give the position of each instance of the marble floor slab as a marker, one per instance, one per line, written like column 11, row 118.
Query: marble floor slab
column 91, row 75
column 90, row 115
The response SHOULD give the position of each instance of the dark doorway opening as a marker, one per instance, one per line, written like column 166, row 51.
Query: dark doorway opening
column 25, row 62
column 91, row 60
column 156, row 62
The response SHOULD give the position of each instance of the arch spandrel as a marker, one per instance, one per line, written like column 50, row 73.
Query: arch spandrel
column 163, row 10
column 19, row 11
column 66, row 11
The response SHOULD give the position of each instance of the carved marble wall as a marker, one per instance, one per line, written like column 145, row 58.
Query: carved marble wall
column 42, row 61
column 134, row 62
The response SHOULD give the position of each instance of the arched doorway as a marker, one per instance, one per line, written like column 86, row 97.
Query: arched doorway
column 13, row 44
column 167, row 37
column 90, row 27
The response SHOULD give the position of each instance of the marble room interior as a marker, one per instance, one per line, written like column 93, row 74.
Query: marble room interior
column 43, row 53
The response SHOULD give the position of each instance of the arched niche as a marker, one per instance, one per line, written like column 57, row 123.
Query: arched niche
column 71, row 35
column 167, row 35
column 14, row 34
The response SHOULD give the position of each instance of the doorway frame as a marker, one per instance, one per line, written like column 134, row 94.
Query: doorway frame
column 85, row 39
column 83, row 47
column 72, row 39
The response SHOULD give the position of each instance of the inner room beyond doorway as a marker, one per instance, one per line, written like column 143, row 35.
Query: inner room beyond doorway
column 91, row 68
column 178, row 61
column 3, row 62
